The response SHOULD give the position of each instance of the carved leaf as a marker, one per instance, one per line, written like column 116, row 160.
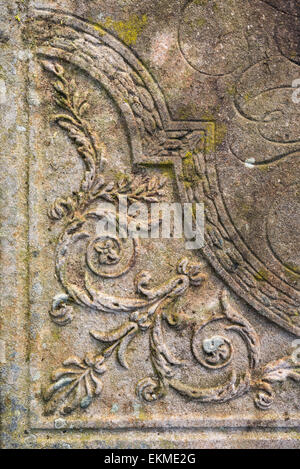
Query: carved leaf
column 281, row 370
column 78, row 130
column 62, row 207
column 122, row 349
column 275, row 372
column 164, row 361
column 74, row 385
column 233, row 388
column 113, row 335
column 84, row 147
column 121, row 338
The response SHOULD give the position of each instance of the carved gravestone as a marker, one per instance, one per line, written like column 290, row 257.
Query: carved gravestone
column 115, row 342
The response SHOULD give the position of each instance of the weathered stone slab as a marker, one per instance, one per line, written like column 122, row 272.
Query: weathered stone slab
column 114, row 342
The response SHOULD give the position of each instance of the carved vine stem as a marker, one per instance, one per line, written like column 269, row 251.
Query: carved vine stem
column 76, row 386
column 92, row 152
column 78, row 381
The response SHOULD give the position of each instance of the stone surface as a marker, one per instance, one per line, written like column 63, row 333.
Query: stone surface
column 145, row 344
